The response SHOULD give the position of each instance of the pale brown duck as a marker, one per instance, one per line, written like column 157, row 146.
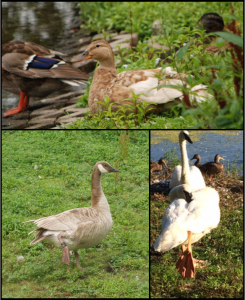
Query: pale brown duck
column 209, row 168
column 118, row 87
column 31, row 70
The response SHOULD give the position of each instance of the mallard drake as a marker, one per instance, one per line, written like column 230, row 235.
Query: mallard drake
column 32, row 70
column 190, row 216
column 80, row 227
column 118, row 87
column 210, row 168
column 158, row 166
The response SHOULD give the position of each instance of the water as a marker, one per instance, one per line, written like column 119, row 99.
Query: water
column 208, row 143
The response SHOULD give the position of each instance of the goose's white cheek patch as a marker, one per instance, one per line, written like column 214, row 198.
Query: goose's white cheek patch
column 102, row 169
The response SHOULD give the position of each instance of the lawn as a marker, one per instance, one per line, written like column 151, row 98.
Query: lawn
column 222, row 248
column 47, row 172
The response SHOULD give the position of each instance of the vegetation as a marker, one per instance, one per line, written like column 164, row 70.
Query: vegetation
column 222, row 248
column 221, row 73
column 47, row 172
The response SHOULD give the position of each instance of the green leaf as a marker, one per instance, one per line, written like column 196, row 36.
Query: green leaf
column 231, row 37
column 181, row 53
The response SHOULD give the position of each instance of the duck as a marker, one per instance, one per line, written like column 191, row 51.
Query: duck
column 195, row 175
column 191, row 215
column 210, row 22
column 158, row 166
column 31, row 70
column 144, row 83
column 210, row 168
column 78, row 228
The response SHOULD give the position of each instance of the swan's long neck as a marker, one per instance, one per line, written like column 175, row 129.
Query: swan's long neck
column 98, row 197
column 185, row 170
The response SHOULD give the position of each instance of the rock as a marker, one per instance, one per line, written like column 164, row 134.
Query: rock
column 157, row 27
column 13, row 124
column 20, row 258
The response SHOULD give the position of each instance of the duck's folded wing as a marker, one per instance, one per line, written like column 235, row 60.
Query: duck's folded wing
column 153, row 89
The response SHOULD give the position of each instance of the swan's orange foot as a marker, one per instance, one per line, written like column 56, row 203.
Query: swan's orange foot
column 185, row 265
column 199, row 263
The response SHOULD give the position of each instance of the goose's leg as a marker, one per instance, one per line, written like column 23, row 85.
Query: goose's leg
column 77, row 261
column 185, row 264
column 65, row 256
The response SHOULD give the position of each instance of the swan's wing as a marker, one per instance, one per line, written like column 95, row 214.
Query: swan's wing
column 176, row 177
column 204, row 211
column 172, row 234
column 196, row 178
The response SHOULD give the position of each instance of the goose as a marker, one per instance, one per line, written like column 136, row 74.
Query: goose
column 31, row 70
column 156, row 167
column 195, row 176
column 80, row 227
column 144, row 83
column 210, row 168
column 191, row 215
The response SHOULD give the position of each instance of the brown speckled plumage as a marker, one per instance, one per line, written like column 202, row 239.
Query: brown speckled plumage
column 117, row 87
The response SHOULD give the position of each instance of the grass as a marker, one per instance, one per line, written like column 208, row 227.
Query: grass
column 221, row 73
column 47, row 172
column 222, row 248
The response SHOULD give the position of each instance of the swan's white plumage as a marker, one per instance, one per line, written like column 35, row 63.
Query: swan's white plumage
column 199, row 216
column 196, row 179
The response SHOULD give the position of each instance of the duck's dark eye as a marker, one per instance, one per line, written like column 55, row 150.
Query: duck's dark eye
column 97, row 45
column 105, row 165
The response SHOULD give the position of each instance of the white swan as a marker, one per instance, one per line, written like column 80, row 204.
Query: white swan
column 80, row 227
column 190, row 216
column 195, row 176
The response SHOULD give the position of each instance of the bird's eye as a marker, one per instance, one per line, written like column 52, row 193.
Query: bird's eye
column 105, row 165
column 97, row 45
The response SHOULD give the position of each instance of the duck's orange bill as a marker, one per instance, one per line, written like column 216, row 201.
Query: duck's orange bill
column 81, row 57
column 87, row 57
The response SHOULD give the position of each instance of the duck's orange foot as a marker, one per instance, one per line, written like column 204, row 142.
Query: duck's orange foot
column 13, row 111
column 23, row 104
column 185, row 265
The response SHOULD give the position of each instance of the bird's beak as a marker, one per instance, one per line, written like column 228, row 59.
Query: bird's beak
column 81, row 57
column 221, row 158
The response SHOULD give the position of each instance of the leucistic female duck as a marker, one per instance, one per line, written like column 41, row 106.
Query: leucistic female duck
column 210, row 168
column 190, row 216
column 118, row 87
column 32, row 70
column 80, row 227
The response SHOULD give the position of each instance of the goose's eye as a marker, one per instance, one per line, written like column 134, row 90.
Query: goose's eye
column 97, row 45
column 105, row 165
